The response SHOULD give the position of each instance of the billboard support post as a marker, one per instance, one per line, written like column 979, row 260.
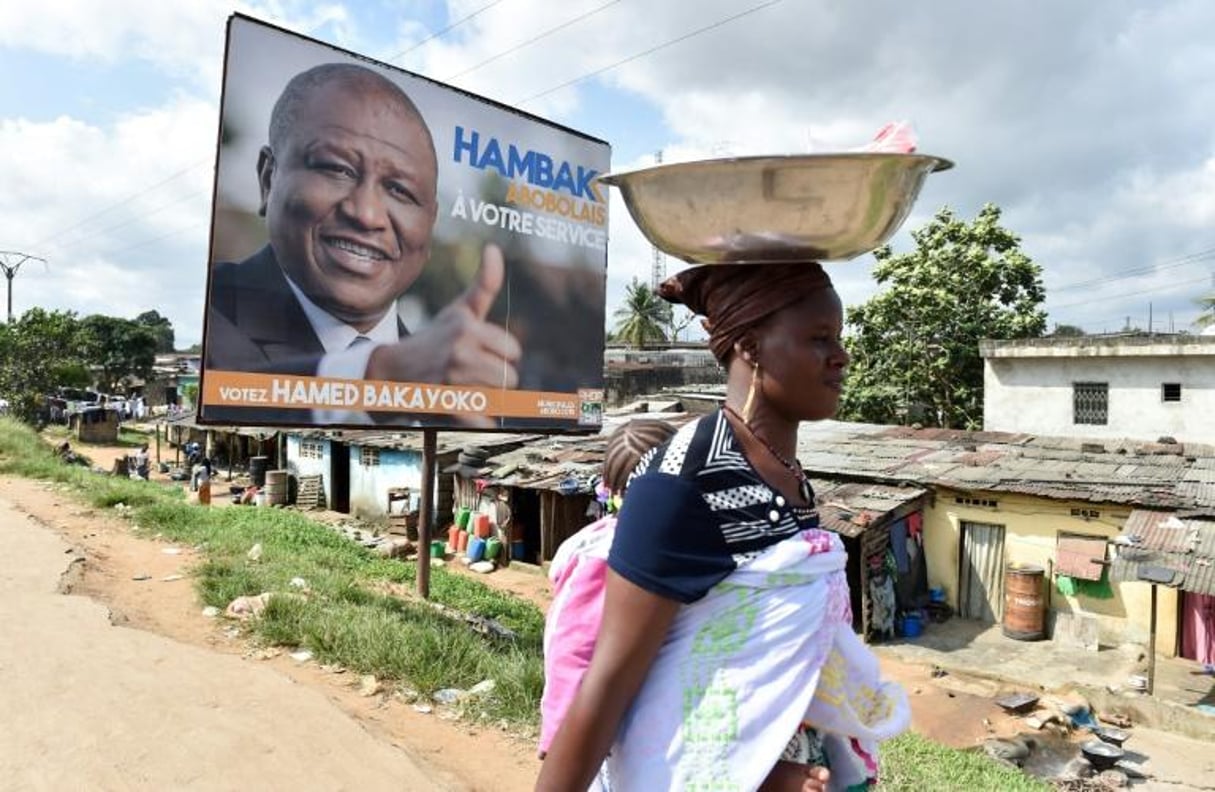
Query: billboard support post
column 426, row 510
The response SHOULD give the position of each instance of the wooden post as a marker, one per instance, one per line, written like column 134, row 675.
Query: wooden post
column 1151, row 682
column 426, row 510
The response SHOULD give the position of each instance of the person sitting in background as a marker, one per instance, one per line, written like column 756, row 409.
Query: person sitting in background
column 142, row 462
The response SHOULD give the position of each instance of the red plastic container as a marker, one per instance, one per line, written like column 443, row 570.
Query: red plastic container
column 481, row 526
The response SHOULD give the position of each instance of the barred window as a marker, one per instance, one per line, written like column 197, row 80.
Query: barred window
column 1090, row 403
column 369, row 457
column 312, row 449
column 1170, row 391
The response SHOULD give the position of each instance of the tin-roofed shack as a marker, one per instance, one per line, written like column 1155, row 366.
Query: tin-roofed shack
column 377, row 474
column 546, row 487
column 94, row 425
column 1003, row 499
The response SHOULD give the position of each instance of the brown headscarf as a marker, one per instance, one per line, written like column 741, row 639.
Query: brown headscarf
column 733, row 298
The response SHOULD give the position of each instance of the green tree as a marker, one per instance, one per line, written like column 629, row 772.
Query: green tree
column 161, row 327
column 1067, row 331
column 38, row 352
column 1207, row 317
column 118, row 348
column 915, row 345
column 644, row 318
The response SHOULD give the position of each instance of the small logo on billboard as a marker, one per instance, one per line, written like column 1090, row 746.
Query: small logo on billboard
column 590, row 412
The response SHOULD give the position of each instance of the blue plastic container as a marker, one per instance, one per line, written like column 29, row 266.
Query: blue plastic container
column 476, row 548
column 936, row 595
column 912, row 626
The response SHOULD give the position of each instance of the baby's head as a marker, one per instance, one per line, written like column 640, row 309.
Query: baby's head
column 627, row 445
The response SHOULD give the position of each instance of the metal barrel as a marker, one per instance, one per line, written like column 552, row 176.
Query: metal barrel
column 1024, row 606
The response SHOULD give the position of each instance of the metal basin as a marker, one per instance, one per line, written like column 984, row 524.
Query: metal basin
column 1102, row 755
column 1112, row 735
column 783, row 208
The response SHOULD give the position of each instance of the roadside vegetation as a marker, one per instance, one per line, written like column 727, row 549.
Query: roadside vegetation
column 356, row 610
column 913, row 762
column 344, row 614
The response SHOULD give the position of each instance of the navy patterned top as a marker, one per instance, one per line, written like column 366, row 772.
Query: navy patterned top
column 695, row 509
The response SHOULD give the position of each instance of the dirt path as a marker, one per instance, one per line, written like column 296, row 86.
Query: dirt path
column 116, row 709
column 204, row 711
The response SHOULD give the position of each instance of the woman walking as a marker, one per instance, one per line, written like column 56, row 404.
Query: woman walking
column 726, row 657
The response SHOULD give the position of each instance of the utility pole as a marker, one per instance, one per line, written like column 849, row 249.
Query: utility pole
column 10, row 262
column 658, row 267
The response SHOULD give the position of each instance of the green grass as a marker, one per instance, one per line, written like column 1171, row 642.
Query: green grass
column 133, row 438
column 342, row 617
column 912, row 762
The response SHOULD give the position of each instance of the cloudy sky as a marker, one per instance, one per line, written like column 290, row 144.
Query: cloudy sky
column 1089, row 123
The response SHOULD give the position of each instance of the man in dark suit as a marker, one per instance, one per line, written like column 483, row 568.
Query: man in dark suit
column 348, row 188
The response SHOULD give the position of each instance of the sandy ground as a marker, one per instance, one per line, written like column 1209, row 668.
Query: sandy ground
column 236, row 717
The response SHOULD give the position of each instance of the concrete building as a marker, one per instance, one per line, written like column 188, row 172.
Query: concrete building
column 1139, row 386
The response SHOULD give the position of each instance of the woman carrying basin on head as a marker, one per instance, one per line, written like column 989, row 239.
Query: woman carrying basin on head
column 726, row 626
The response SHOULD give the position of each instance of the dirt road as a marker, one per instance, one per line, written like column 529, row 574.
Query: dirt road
column 91, row 706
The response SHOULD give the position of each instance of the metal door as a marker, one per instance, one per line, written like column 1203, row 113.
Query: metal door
column 981, row 578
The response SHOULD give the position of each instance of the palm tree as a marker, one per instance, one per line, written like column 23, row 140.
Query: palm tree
column 1207, row 317
column 643, row 318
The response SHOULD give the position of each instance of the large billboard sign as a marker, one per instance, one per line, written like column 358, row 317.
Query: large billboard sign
column 387, row 250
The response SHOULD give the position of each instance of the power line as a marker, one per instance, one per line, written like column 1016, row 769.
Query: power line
column 1192, row 258
column 445, row 30
column 157, row 238
column 1204, row 278
column 649, row 51
column 142, row 216
column 122, row 202
column 532, row 40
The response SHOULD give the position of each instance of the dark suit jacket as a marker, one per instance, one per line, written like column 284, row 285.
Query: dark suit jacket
column 255, row 323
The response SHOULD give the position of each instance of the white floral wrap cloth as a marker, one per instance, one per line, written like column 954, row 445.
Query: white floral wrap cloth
column 767, row 649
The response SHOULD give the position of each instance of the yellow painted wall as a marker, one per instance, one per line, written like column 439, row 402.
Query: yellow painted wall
column 1031, row 528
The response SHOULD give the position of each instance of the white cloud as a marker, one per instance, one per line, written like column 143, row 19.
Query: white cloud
column 184, row 37
column 94, row 201
column 1088, row 123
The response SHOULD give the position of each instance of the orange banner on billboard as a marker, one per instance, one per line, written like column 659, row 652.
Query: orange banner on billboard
column 290, row 392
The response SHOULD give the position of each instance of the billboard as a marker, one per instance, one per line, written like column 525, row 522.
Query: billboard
column 390, row 251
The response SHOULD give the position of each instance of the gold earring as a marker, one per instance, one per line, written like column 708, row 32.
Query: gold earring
column 749, row 405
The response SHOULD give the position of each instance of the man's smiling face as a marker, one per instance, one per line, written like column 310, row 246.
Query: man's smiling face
column 349, row 199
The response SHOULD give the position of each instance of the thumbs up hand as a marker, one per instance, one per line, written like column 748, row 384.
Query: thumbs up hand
column 459, row 347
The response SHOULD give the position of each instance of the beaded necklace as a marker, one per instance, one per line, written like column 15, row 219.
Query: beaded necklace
column 794, row 468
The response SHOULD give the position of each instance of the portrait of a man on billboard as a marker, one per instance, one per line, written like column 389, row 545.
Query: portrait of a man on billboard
column 381, row 263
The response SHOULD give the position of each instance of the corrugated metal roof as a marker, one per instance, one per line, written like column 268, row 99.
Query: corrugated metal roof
column 1133, row 473
column 849, row 508
column 445, row 442
column 1163, row 540
column 1080, row 556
